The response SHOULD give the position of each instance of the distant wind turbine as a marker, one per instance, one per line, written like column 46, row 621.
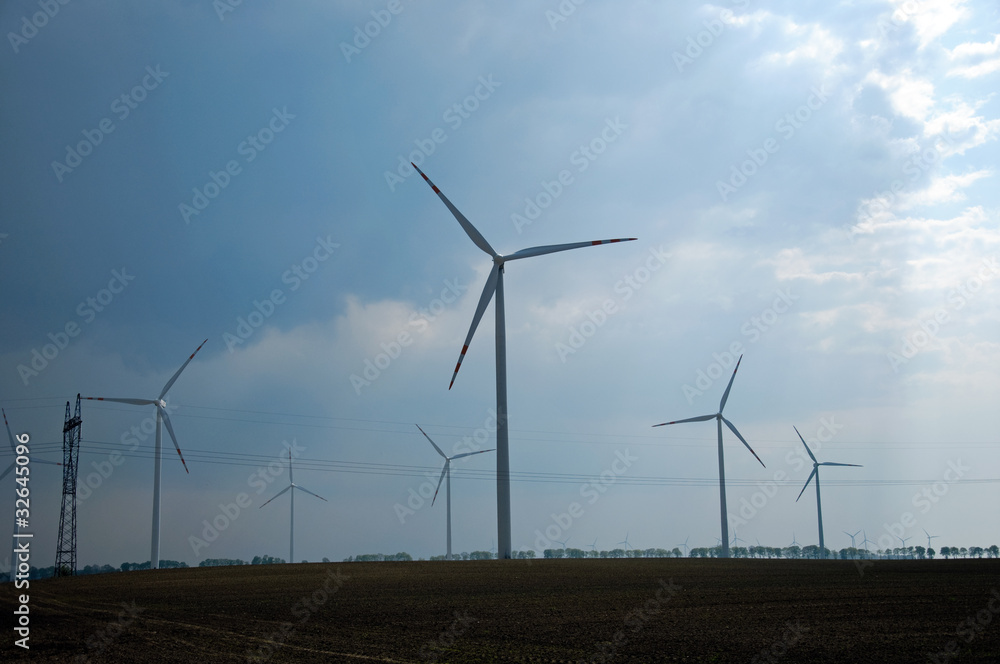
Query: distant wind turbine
column 494, row 284
column 815, row 473
column 865, row 542
column 685, row 545
column 563, row 543
column 929, row 537
column 722, row 466
column 161, row 415
column 593, row 547
column 291, row 509
column 625, row 542
column 852, row 537
column 446, row 472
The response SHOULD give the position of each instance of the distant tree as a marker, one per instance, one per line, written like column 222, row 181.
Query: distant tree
column 325, row 559
column 266, row 560
column 964, row 551
column 930, row 553
column 946, row 552
column 921, row 552
column 976, row 551
column 994, row 551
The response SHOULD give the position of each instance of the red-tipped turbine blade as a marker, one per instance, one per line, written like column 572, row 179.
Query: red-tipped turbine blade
column 484, row 301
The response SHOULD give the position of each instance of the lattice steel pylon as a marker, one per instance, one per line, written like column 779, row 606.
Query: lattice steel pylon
column 66, row 548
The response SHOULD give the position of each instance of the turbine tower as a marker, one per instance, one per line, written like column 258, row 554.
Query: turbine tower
column 446, row 472
column 815, row 473
column 291, row 524
column 494, row 284
column 722, row 466
column 161, row 416
column 929, row 537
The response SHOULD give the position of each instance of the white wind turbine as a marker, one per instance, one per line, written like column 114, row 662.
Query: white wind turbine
column 494, row 284
column 446, row 473
column 291, row 524
column 929, row 536
column 31, row 460
column 161, row 415
column 815, row 473
column 724, row 540
column 852, row 537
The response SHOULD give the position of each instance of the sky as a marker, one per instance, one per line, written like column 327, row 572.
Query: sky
column 813, row 186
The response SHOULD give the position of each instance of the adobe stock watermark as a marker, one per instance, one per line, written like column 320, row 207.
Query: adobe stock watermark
column 294, row 277
column 562, row 12
column 917, row 340
column 122, row 106
column 786, row 127
column 899, row 17
column 229, row 512
column 592, row 492
column 581, row 158
column 969, row 629
column 753, row 329
column 223, row 7
column 87, row 310
column 454, row 116
column 249, row 148
column 104, row 469
column 31, row 25
column 432, row 650
column 302, row 610
column 423, row 494
column 99, row 641
column 626, row 288
column 793, row 633
column 364, row 34
column 797, row 459
column 917, row 163
column 419, row 321
column 635, row 621
column 696, row 44
column 924, row 500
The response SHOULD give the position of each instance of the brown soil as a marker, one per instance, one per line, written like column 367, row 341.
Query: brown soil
column 642, row 610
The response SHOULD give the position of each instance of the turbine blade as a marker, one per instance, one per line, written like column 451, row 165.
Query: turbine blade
column 277, row 494
column 459, row 456
column 700, row 418
column 806, row 484
column 302, row 488
column 183, row 366
column 830, row 463
column 470, row 230
column 10, row 437
column 432, row 443
column 806, row 446
column 440, row 479
column 484, row 300
column 170, row 430
column 552, row 248
column 9, row 468
column 725, row 395
column 742, row 440
column 134, row 402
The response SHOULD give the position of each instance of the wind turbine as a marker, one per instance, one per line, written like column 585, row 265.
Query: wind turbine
column 291, row 526
column 815, row 473
column 563, row 543
column 904, row 540
column 494, row 284
column 865, row 542
column 929, row 536
column 625, row 542
column 446, row 471
column 593, row 547
column 722, row 467
column 31, row 460
column 852, row 537
column 685, row 545
column 161, row 415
